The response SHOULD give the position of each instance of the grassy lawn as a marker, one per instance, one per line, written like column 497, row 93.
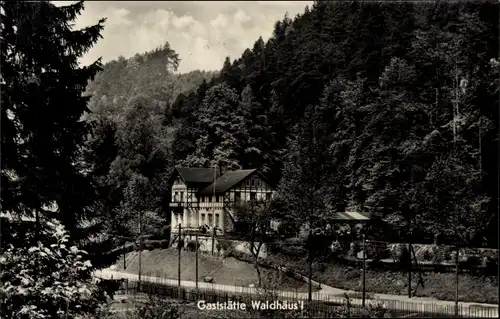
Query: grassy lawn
column 482, row 289
column 230, row 271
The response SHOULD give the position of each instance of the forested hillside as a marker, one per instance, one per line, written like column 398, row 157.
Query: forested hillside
column 150, row 74
column 384, row 107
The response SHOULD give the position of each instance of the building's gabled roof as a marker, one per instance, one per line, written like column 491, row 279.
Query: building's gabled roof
column 195, row 175
column 226, row 181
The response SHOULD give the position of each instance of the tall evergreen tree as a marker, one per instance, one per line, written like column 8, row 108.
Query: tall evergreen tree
column 224, row 125
column 42, row 108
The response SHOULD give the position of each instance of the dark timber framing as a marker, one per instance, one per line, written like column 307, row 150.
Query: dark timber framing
column 250, row 184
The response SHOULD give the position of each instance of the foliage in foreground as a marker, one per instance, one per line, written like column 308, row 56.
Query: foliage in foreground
column 157, row 308
column 49, row 280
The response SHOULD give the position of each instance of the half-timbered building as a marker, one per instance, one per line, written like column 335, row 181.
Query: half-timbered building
column 204, row 197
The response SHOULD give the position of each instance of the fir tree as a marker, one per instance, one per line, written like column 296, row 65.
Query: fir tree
column 42, row 128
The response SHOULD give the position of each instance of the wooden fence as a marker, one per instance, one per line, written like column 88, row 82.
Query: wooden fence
column 322, row 306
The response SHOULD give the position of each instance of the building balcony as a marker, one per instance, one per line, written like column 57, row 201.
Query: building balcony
column 176, row 205
column 196, row 205
column 183, row 204
column 211, row 205
column 188, row 230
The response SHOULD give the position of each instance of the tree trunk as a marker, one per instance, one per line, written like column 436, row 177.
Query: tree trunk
column 255, row 252
column 409, row 253
column 310, row 267
column 259, row 277
column 456, row 280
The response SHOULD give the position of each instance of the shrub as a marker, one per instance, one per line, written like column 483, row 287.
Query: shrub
column 491, row 265
column 426, row 255
column 268, row 292
column 353, row 249
column 49, row 280
column 226, row 245
column 153, row 244
column 373, row 310
column 192, row 245
column 157, row 308
column 321, row 267
column 396, row 250
column 335, row 247
column 293, row 247
column 379, row 251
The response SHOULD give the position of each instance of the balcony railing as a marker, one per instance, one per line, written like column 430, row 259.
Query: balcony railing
column 189, row 230
column 196, row 204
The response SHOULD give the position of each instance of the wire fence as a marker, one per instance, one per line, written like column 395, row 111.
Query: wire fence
column 322, row 305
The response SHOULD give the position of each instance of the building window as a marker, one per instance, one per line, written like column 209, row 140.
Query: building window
column 268, row 196
column 237, row 196
column 202, row 219
column 217, row 220
column 176, row 196
column 182, row 196
column 210, row 220
column 252, row 182
column 253, row 196
column 217, row 199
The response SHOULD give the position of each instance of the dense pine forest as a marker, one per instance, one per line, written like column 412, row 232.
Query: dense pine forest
column 390, row 108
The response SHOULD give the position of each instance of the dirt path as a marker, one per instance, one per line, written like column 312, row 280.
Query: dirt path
column 328, row 293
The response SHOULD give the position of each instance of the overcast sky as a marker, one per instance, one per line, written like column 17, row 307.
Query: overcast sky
column 202, row 33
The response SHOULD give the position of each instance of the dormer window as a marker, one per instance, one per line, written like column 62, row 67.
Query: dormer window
column 176, row 196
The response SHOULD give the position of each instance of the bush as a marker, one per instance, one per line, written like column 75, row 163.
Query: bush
column 294, row 247
column 153, row 244
column 49, row 280
column 192, row 245
column 378, row 251
column 396, row 250
column 226, row 245
column 426, row 255
column 353, row 249
column 157, row 308
column 373, row 310
column 294, row 241
column 491, row 265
